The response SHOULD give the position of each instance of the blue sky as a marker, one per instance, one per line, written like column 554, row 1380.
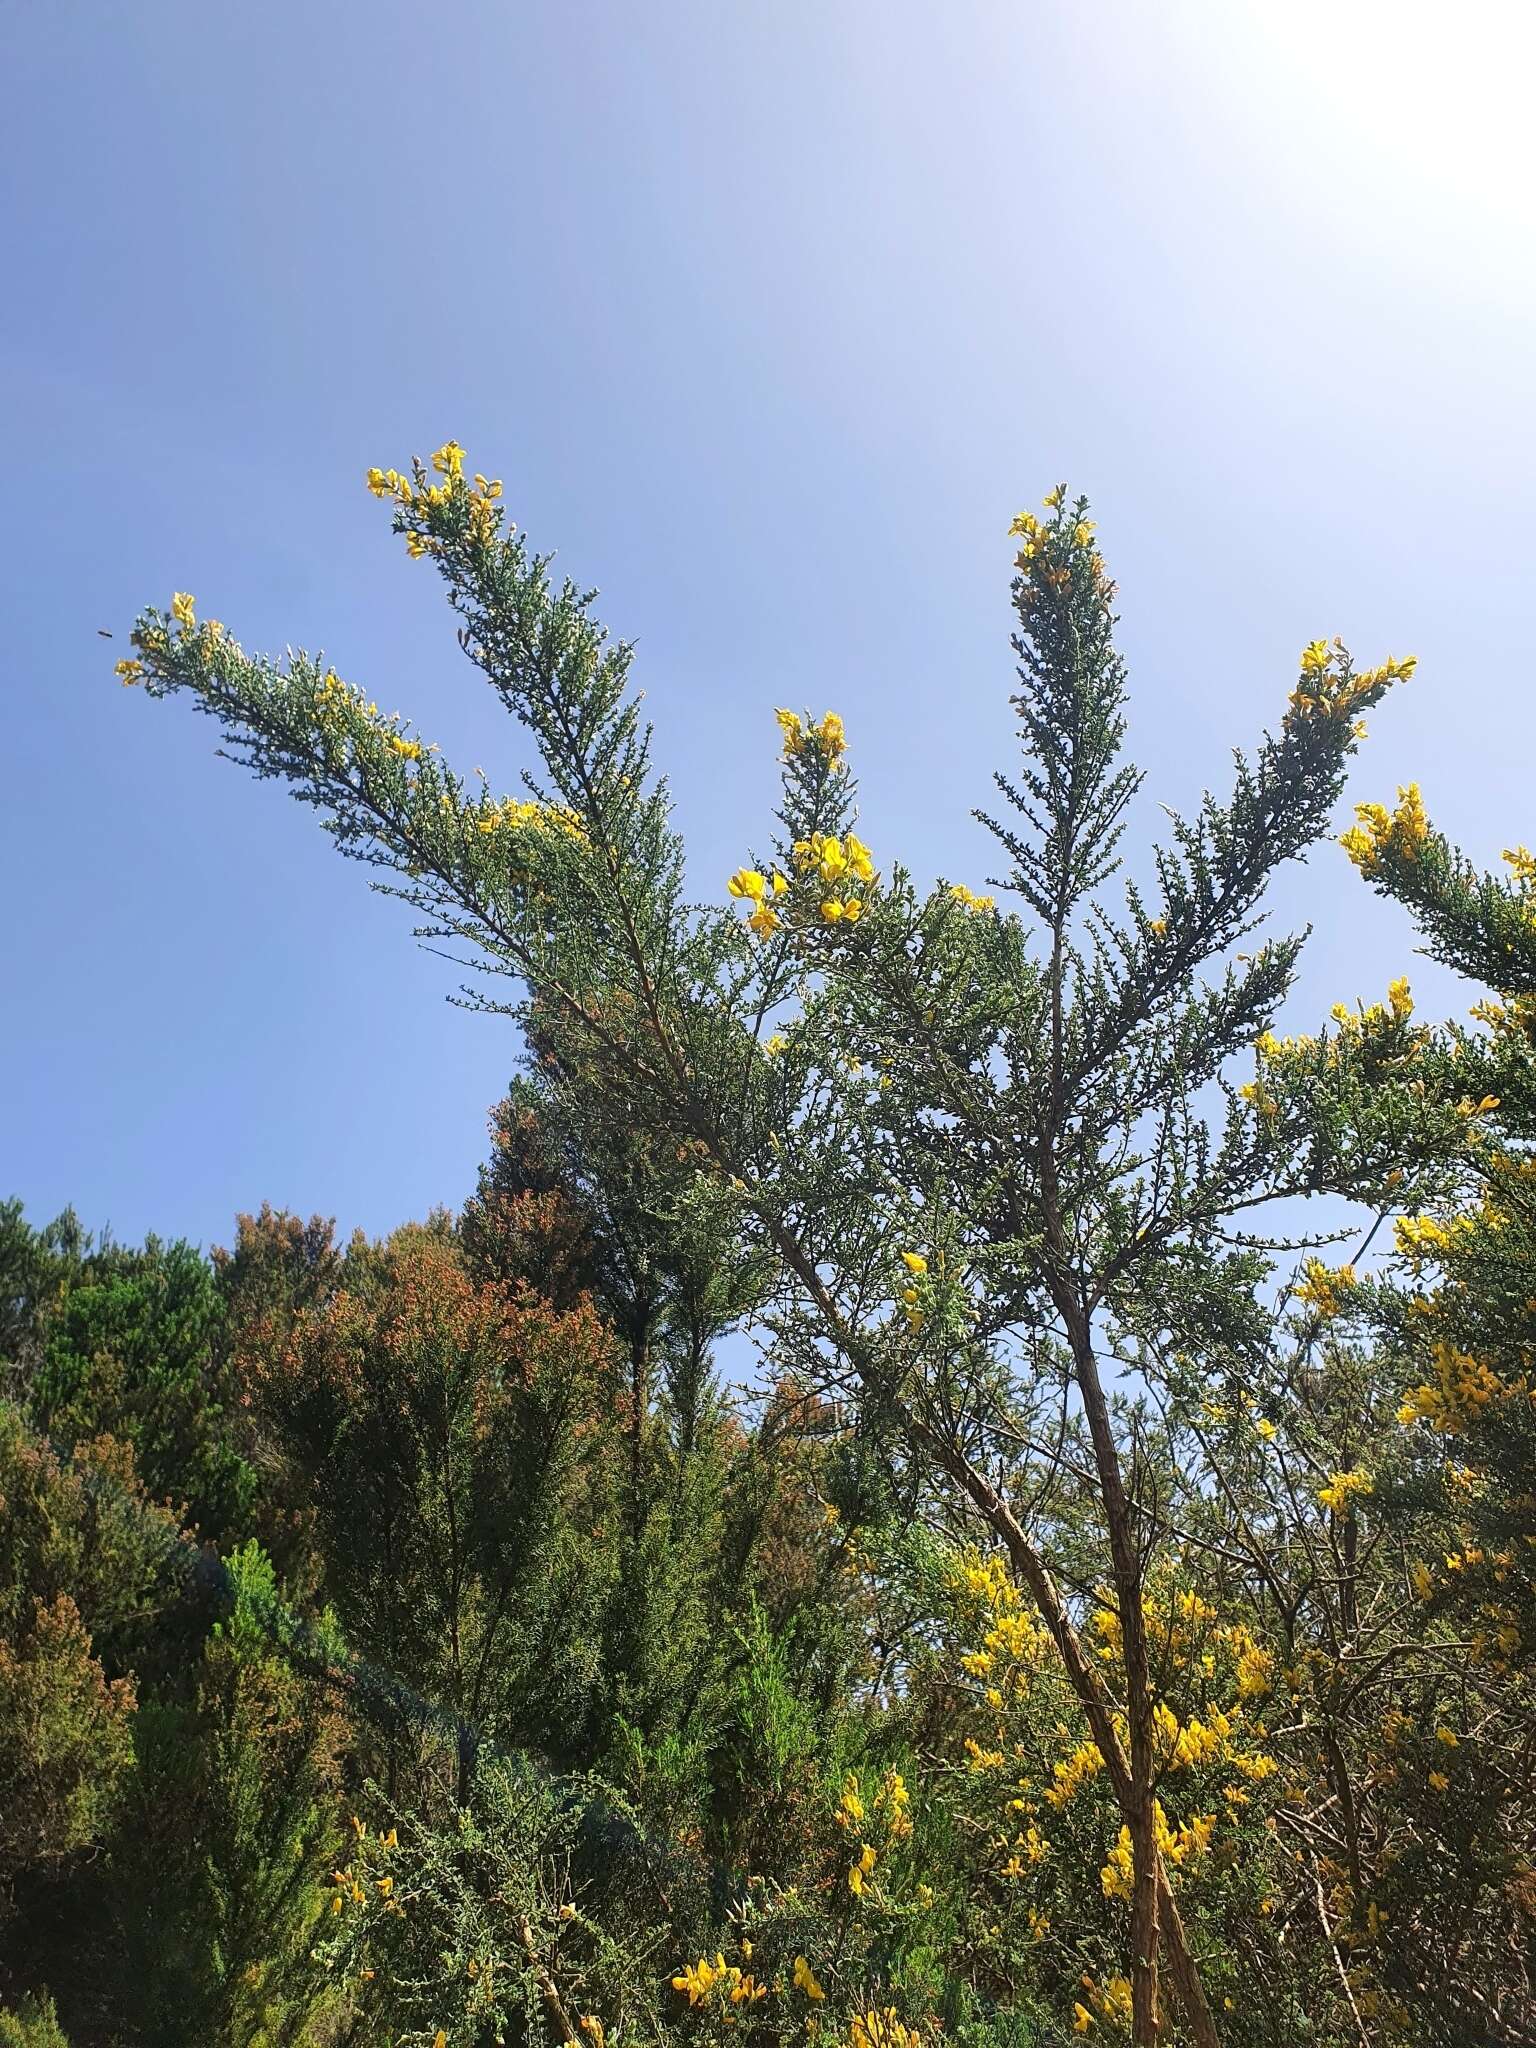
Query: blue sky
column 770, row 317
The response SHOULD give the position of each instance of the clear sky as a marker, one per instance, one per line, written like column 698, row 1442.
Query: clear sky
column 770, row 316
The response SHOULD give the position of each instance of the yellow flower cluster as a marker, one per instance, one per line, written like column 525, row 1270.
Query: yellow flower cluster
column 894, row 1797
column 413, row 493
column 968, row 900
column 1035, row 1846
column 1328, row 688
column 805, row 1980
column 1462, row 1387
column 350, row 1889
column 518, row 814
column 881, row 2030
column 1256, row 1093
column 725, row 1984
column 1183, row 1744
column 1112, row 2001
column 1071, row 1773
column 1046, row 546
column 829, row 736
column 1422, row 1238
column 1401, row 832
column 1012, row 1641
column 912, row 1293
column 1468, row 1108
column 1254, row 1665
column 749, row 885
column 1326, row 1289
column 1186, row 1843
column 1342, row 1488
column 890, row 1807
column 835, row 863
column 850, row 1804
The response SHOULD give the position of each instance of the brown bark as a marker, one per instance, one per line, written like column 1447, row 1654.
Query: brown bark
column 1183, row 1970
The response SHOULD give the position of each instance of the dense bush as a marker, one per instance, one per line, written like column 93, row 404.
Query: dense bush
column 1111, row 1618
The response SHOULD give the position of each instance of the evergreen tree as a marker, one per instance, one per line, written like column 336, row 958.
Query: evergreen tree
column 991, row 1179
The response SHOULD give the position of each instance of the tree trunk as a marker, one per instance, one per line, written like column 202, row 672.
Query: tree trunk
column 1163, row 1928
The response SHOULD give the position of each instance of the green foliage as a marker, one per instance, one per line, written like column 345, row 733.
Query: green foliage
column 221, row 1862
column 1108, row 1621
column 134, row 1350
column 65, row 1744
column 34, row 2024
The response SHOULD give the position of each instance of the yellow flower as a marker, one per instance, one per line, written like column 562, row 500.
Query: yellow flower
column 182, row 608
column 866, row 1859
column 805, row 1980
column 697, row 1978
column 592, row 2027
column 793, row 731
column 856, row 1880
column 489, row 487
column 775, row 1045
column 1379, row 831
column 1264, row 1103
column 831, row 910
column 1315, row 657
column 1335, row 1496
column 778, row 885
column 408, row 750
column 968, row 900
column 131, row 672
column 763, row 921
column 1265, row 1428
column 449, row 460
column 914, row 1262
column 830, row 733
column 1082, row 2018
column 853, row 910
column 1325, row 1290
column 1439, row 1781
column 1447, row 1736
column 1401, row 999
column 1423, row 1583
column 748, row 882
column 859, row 859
